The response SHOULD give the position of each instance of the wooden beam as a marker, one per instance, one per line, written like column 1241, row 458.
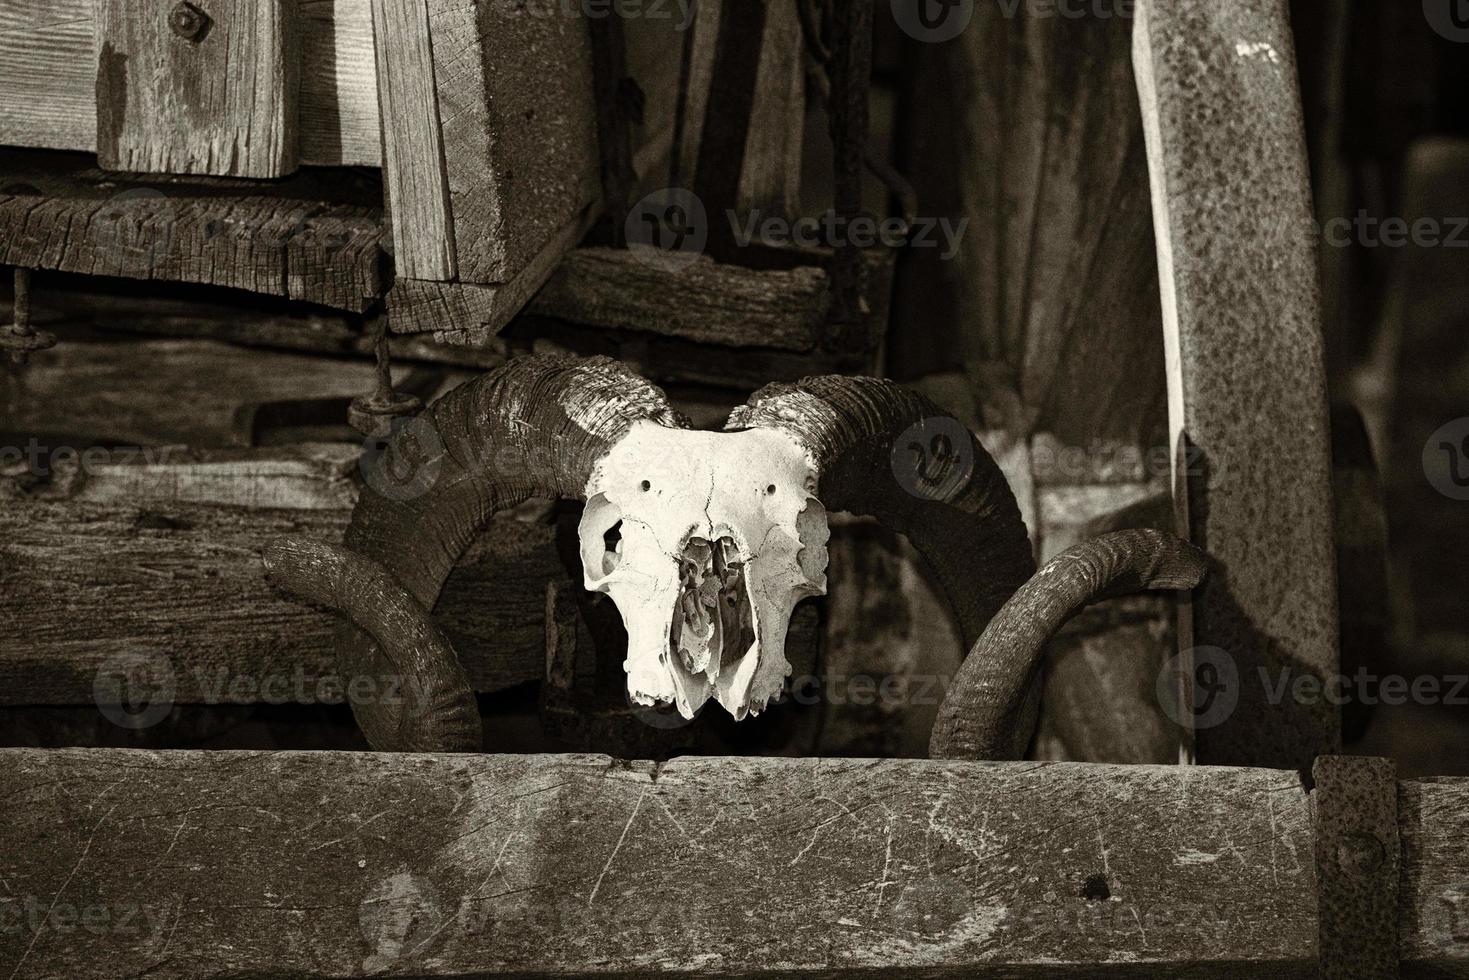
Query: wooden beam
column 157, row 554
column 181, row 90
column 332, row 864
column 1433, row 892
column 1237, row 258
column 313, row 237
column 122, row 391
column 415, row 179
column 48, row 69
column 706, row 302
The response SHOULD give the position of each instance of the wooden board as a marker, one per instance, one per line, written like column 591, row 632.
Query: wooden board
column 1052, row 285
column 48, row 68
column 162, row 560
column 314, row 237
column 219, row 98
column 706, row 302
column 1433, row 927
column 164, row 392
column 1247, row 390
column 415, row 181
column 354, row 864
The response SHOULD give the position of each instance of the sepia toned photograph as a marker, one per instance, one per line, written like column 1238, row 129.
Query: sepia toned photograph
column 734, row 489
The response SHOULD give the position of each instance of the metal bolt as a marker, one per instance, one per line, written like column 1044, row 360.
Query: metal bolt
column 188, row 21
column 19, row 337
column 373, row 415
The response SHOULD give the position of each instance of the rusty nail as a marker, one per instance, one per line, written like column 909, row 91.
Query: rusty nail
column 188, row 21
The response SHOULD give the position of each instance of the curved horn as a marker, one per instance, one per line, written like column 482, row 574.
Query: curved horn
column 535, row 427
column 883, row 451
column 990, row 710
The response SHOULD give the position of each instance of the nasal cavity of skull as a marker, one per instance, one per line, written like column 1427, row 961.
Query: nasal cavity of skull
column 612, row 556
column 713, row 624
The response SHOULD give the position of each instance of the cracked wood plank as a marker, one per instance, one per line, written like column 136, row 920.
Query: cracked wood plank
column 48, row 70
column 223, row 100
column 354, row 864
column 314, row 237
column 1237, row 258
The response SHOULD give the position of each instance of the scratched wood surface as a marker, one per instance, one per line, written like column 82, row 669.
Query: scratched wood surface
column 314, row 237
column 48, row 70
column 214, row 864
column 1433, row 892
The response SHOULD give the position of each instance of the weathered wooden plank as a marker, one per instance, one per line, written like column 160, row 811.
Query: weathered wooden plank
column 48, row 68
column 315, row 237
column 182, row 90
column 339, row 110
column 1433, row 825
column 706, row 302
column 519, row 129
column 714, row 303
column 414, row 167
column 162, row 561
column 120, row 392
column 1227, row 157
column 421, row 865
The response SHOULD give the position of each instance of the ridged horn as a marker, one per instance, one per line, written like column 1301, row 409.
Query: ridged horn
column 991, row 707
column 535, row 427
column 883, row 451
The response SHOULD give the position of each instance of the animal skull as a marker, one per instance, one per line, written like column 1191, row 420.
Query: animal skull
column 706, row 541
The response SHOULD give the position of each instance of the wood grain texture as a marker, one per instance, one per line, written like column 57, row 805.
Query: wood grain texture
column 520, row 137
column 339, row 110
column 163, row 392
column 222, row 101
column 707, row 302
column 553, row 865
column 1433, row 824
column 1247, row 388
column 315, row 237
column 164, row 562
column 1052, row 284
column 713, row 303
column 415, row 180
column 48, row 70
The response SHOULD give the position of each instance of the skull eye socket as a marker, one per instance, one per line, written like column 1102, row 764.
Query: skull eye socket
column 612, row 542
column 645, row 486
column 770, row 490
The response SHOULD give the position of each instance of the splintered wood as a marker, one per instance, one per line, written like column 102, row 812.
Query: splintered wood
column 344, row 865
column 182, row 90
